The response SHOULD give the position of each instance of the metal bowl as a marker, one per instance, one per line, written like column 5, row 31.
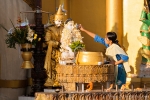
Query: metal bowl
column 89, row 58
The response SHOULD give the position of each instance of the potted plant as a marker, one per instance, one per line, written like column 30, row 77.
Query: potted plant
column 22, row 35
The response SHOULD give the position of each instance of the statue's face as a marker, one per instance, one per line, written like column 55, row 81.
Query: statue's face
column 70, row 25
column 58, row 22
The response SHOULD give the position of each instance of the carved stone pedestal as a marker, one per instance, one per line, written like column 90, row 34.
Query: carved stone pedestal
column 69, row 75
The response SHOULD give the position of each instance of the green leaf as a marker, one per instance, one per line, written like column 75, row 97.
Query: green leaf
column 76, row 46
column 13, row 25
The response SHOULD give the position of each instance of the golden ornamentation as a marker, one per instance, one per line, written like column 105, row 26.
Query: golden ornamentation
column 94, row 95
column 59, row 14
column 26, row 56
column 26, row 46
column 89, row 58
column 52, row 38
column 84, row 73
column 13, row 83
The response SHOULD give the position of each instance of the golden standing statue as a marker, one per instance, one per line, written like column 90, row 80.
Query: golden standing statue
column 52, row 38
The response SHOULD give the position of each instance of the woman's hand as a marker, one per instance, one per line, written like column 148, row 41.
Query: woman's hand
column 112, row 62
column 116, row 62
column 86, row 31
column 81, row 28
column 119, row 62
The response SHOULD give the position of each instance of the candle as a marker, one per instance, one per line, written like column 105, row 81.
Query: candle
column 102, row 88
column 116, row 87
column 144, row 86
column 62, row 88
column 82, row 87
column 132, row 87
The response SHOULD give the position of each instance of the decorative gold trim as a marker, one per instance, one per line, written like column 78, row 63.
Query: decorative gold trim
column 144, row 31
column 145, row 80
column 15, row 83
column 141, row 19
column 29, row 81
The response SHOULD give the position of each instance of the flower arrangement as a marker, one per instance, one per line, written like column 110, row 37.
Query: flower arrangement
column 20, row 34
column 71, row 38
column 76, row 46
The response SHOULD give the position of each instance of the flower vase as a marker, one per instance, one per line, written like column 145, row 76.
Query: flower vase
column 26, row 56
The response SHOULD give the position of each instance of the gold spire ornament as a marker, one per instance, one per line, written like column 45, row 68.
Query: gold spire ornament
column 60, row 13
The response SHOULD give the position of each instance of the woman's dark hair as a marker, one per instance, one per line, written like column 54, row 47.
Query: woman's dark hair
column 69, row 19
column 113, row 37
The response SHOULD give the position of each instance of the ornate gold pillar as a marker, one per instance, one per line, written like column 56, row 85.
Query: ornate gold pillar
column 114, row 17
column 66, row 7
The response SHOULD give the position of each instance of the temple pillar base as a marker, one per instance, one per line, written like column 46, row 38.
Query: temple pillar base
column 133, row 83
column 26, row 98
column 138, row 83
column 144, row 71
column 145, row 82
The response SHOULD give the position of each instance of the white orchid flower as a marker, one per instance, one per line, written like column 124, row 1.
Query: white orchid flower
column 11, row 30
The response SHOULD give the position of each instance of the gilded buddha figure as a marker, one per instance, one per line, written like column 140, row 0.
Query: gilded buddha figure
column 52, row 38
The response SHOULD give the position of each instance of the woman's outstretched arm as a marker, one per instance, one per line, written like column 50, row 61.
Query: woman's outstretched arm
column 86, row 31
column 96, row 37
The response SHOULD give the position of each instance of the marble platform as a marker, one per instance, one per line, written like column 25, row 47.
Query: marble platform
column 33, row 98
column 26, row 98
column 144, row 71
